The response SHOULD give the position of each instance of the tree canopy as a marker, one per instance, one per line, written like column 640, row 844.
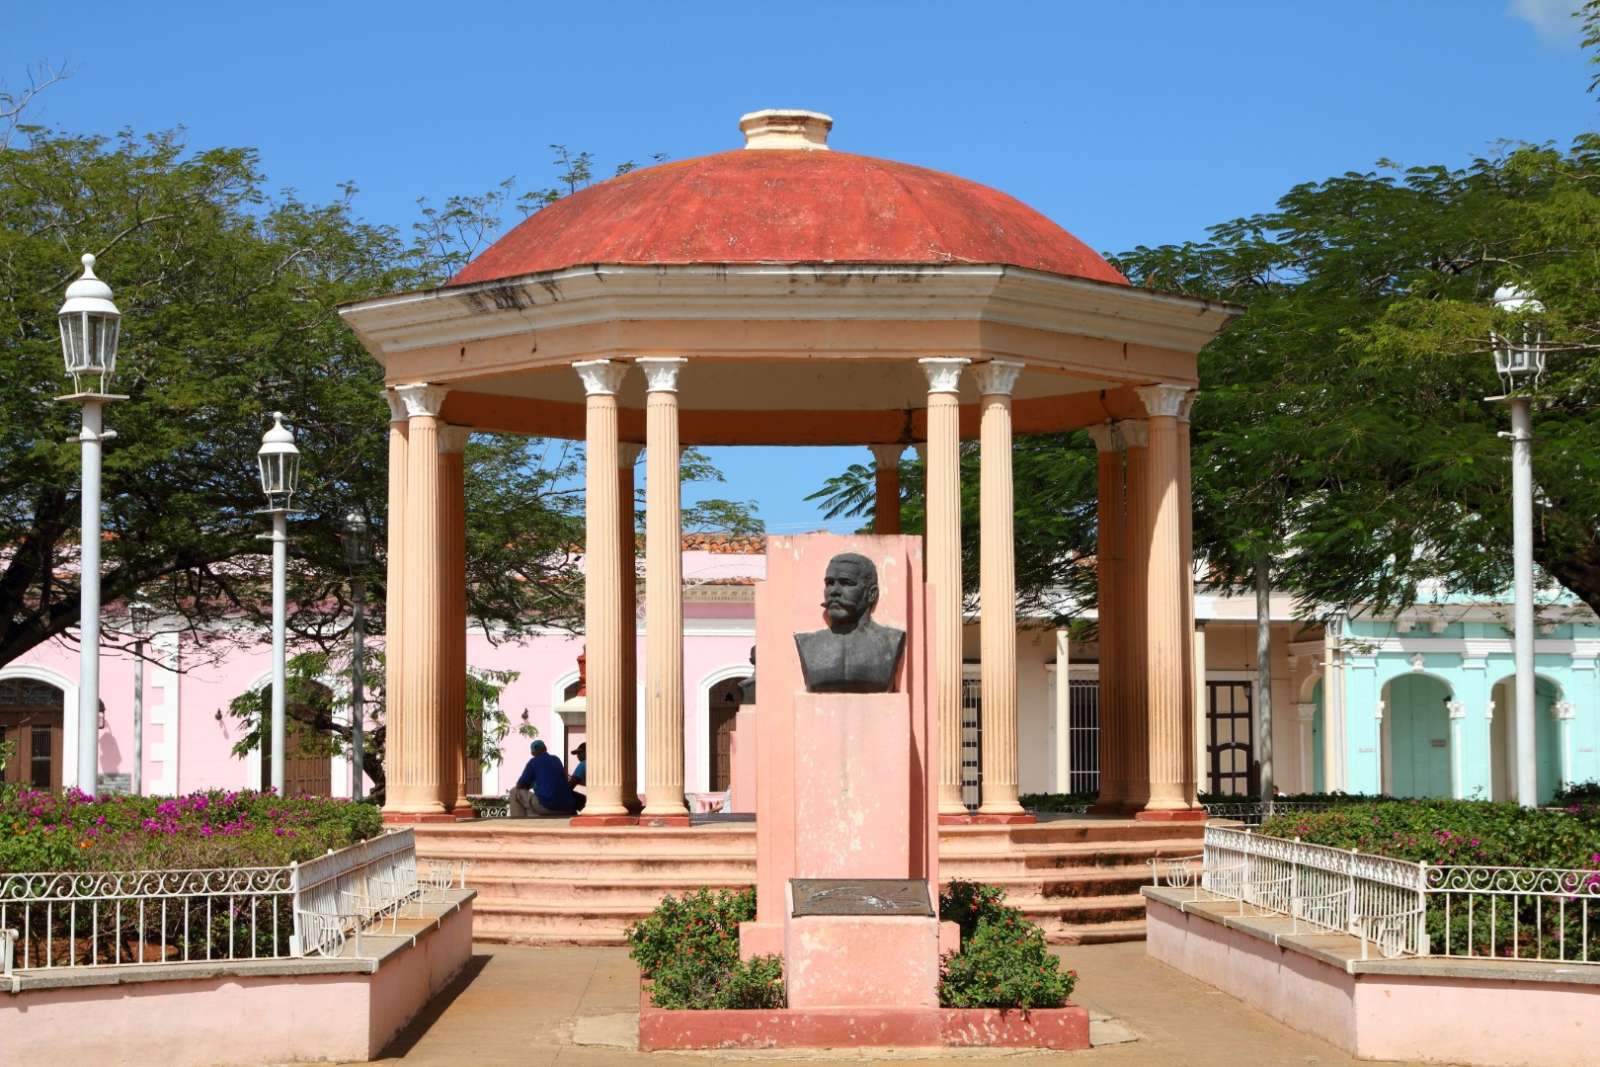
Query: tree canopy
column 1342, row 431
column 228, row 294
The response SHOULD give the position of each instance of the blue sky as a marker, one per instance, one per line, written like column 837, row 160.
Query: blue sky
column 1128, row 123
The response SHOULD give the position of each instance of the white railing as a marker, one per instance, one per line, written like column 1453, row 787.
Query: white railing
column 485, row 806
column 1401, row 907
column 1520, row 913
column 53, row 920
column 1377, row 899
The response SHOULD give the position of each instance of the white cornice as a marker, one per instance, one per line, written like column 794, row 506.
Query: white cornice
column 595, row 294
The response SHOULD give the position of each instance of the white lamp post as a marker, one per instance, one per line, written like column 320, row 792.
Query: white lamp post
column 357, row 553
column 90, row 325
column 280, row 470
column 139, row 619
column 1520, row 364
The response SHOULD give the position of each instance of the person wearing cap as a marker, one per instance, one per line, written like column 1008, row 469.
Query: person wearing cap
column 542, row 789
column 580, row 773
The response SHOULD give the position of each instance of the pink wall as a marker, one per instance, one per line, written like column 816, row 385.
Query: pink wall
column 191, row 681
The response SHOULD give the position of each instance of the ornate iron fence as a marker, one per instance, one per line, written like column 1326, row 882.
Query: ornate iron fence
column 1377, row 899
column 1520, row 913
column 53, row 920
column 1403, row 908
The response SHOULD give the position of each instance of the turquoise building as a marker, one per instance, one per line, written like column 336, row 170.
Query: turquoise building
column 1424, row 704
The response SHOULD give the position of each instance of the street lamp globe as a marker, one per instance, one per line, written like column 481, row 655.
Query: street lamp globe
column 357, row 538
column 280, row 464
column 1519, row 361
column 89, row 328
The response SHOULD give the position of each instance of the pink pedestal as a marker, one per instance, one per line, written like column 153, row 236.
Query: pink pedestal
column 742, row 756
column 820, row 815
column 878, row 961
column 853, row 769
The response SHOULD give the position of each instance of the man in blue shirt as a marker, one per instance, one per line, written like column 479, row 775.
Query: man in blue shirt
column 542, row 789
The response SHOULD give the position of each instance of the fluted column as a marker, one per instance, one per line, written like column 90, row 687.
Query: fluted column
column 942, row 538
column 416, row 780
column 1109, row 564
column 602, row 600
column 886, row 499
column 997, row 589
column 453, row 650
column 627, row 529
column 1194, row 669
column 1132, row 630
column 663, row 597
column 1168, row 669
column 395, row 716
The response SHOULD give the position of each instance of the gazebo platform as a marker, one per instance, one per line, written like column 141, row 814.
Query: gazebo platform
column 545, row 882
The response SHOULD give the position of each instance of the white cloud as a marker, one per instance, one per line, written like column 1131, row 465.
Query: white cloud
column 1551, row 19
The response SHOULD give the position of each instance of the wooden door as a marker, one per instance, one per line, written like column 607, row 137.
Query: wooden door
column 30, row 718
column 724, row 707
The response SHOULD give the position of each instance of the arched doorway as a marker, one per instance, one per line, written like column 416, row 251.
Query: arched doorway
column 722, row 705
column 30, row 720
column 1417, row 737
column 1546, row 734
column 308, row 772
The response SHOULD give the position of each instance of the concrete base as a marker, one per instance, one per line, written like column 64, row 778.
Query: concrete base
column 964, row 819
column 581, row 819
column 1045, row 1028
column 241, row 1014
column 662, row 820
column 1004, row 818
column 1488, row 1012
column 861, row 961
column 411, row 818
column 1172, row 815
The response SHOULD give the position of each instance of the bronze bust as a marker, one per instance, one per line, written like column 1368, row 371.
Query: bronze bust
column 854, row 654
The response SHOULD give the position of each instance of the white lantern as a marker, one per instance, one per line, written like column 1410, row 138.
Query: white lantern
column 280, row 464
column 89, row 327
column 1519, row 361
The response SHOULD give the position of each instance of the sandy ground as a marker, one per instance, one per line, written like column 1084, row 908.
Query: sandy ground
column 531, row 1007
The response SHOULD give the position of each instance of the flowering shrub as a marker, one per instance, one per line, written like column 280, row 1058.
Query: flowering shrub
column 1477, row 834
column 689, row 949
column 1004, row 961
column 69, row 831
column 1466, row 832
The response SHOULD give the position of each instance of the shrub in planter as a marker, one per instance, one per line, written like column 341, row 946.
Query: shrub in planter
column 1004, row 961
column 1064, row 802
column 689, row 948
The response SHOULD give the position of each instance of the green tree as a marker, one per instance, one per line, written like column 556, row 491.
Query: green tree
column 229, row 295
column 318, row 713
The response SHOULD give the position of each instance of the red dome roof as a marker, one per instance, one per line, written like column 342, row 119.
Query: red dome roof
column 786, row 206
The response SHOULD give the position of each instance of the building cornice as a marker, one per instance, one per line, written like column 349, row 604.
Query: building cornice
column 592, row 295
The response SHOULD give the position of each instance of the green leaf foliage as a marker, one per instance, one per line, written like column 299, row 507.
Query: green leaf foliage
column 1004, row 961
column 688, row 948
column 229, row 294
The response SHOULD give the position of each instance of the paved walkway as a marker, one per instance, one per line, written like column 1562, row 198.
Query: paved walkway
column 532, row 1007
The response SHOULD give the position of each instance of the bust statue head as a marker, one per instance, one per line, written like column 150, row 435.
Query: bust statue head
column 849, row 591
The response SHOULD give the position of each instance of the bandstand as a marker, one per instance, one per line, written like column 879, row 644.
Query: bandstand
column 787, row 294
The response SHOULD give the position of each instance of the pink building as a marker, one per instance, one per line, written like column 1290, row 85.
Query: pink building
column 188, row 736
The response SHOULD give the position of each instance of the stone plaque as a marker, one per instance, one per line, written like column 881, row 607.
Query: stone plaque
column 861, row 896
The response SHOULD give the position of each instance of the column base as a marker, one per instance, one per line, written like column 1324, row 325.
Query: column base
column 1004, row 818
column 464, row 811
column 952, row 819
column 623, row 819
column 1171, row 815
column 664, row 820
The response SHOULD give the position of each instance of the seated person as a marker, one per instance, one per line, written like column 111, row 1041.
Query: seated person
column 580, row 773
column 542, row 789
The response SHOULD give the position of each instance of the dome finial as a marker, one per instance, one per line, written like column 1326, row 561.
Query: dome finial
column 789, row 128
